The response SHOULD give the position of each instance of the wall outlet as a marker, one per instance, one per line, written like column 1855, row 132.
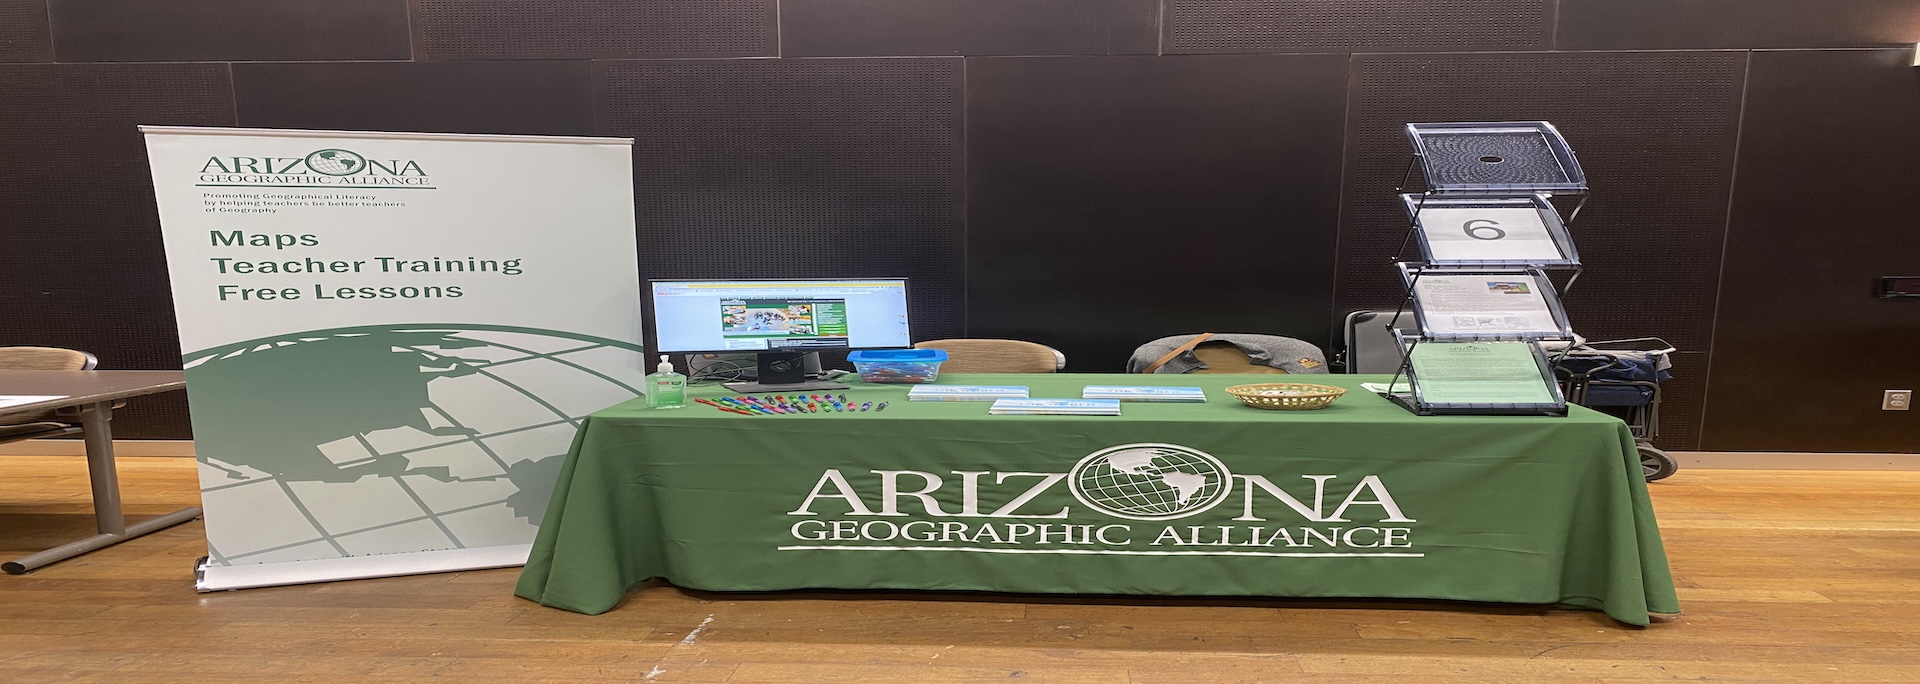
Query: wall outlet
column 1896, row 400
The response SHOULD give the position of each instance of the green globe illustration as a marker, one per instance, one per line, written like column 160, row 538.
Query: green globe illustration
column 388, row 439
column 1150, row 481
column 336, row 162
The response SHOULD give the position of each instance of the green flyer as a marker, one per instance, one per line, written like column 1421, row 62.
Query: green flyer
column 1479, row 373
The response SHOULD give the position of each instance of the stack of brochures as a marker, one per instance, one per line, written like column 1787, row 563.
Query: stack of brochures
column 1125, row 393
column 1055, row 407
column 966, row 392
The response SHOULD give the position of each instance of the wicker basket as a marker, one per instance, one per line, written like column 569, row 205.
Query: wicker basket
column 1286, row 396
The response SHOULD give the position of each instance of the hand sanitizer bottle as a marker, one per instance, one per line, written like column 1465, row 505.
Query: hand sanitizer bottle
column 665, row 388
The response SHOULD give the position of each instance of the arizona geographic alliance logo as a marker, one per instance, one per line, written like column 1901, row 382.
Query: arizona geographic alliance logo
column 330, row 167
column 1150, row 481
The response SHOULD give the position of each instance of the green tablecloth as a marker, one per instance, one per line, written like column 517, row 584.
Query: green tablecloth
column 1360, row 499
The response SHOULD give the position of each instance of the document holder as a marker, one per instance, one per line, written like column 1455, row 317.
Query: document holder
column 1477, row 378
column 1520, row 156
column 1490, row 231
column 1487, row 230
column 1466, row 304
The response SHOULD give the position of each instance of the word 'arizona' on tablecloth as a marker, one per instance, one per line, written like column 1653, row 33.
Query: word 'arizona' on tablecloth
column 1151, row 486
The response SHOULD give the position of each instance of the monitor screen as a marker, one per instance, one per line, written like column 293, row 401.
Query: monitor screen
column 779, row 315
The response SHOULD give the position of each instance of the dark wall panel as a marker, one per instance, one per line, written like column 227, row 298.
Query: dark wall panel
column 24, row 36
column 84, row 267
column 1356, row 25
column 1823, row 206
column 1655, row 133
column 532, row 97
column 141, row 30
column 828, row 168
column 560, row 29
column 968, row 27
column 1116, row 200
column 1698, row 24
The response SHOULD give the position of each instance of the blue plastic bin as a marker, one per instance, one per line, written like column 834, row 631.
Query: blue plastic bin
column 910, row 366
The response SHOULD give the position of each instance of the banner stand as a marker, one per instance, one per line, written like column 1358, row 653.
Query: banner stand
column 208, row 577
column 390, row 339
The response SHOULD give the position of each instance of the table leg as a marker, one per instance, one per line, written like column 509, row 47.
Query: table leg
column 96, row 421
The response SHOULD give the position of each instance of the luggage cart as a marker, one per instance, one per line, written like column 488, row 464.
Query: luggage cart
column 1624, row 382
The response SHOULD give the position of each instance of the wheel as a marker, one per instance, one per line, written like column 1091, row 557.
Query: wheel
column 1656, row 464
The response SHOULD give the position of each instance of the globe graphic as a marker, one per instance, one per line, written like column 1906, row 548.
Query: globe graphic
column 391, row 439
column 1150, row 481
column 335, row 162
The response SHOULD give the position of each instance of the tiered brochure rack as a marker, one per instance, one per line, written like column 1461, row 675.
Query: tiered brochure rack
column 1487, row 233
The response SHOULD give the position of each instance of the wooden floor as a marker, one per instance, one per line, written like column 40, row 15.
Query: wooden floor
column 1784, row 576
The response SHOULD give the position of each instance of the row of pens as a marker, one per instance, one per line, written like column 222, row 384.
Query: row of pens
column 749, row 405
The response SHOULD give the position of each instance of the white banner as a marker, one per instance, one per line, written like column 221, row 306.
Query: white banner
column 390, row 338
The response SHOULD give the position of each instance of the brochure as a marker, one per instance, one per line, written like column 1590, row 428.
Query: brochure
column 966, row 392
column 24, row 399
column 1480, row 373
column 1381, row 387
column 1484, row 304
column 1130, row 393
column 1068, row 407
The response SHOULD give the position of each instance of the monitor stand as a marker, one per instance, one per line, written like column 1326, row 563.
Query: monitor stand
column 782, row 372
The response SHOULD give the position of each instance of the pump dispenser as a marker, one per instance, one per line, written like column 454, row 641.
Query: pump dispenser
column 665, row 388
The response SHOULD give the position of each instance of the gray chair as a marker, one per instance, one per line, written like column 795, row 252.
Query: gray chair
column 21, row 426
column 1370, row 348
column 1224, row 353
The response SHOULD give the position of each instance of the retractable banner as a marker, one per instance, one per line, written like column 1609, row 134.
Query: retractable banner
column 390, row 338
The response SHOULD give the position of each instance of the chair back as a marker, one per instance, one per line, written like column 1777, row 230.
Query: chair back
column 1221, row 357
column 994, row 356
column 45, row 358
column 1370, row 346
column 21, row 426
column 1228, row 353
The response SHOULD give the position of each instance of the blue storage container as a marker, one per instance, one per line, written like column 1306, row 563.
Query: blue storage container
column 910, row 366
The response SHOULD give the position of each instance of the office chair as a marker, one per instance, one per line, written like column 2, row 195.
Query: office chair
column 1370, row 348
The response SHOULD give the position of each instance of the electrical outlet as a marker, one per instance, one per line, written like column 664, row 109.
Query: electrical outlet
column 1896, row 400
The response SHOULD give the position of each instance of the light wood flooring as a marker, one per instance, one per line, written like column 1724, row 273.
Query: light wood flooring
column 1784, row 576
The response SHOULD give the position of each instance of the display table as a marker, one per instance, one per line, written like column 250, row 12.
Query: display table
column 91, row 394
column 1360, row 499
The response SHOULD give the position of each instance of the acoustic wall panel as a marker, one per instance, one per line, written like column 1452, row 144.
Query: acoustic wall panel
column 206, row 30
column 561, row 29
column 1655, row 133
column 1356, row 25
column 1822, row 208
column 1698, row 24
column 24, row 35
column 827, row 168
column 87, row 271
column 968, row 27
column 519, row 97
column 1115, row 200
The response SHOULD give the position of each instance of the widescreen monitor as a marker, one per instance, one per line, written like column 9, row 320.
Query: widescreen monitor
column 779, row 320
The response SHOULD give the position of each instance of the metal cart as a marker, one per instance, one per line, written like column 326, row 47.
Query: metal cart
column 1624, row 382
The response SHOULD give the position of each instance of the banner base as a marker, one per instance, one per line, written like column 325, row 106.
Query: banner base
column 207, row 577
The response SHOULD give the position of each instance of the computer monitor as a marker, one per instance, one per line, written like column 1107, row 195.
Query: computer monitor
column 780, row 321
